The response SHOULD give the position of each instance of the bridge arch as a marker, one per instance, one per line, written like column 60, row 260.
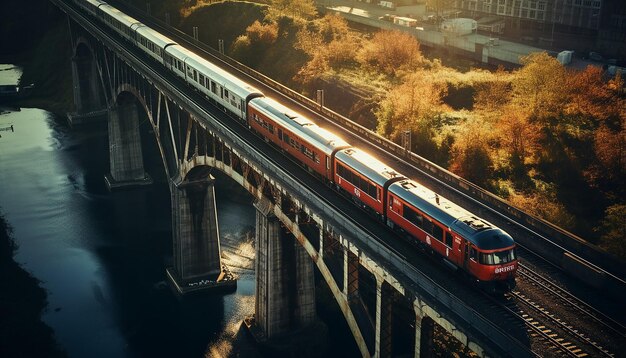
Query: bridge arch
column 125, row 145
column 87, row 84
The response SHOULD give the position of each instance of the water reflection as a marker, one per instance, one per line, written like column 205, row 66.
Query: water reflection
column 102, row 256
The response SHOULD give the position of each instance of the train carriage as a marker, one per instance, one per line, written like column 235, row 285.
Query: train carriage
column 295, row 134
column 364, row 177
column 230, row 92
column 153, row 43
column 91, row 5
column 119, row 21
column 476, row 246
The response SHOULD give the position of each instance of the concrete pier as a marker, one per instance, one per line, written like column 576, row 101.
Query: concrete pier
column 125, row 154
column 85, row 80
column 285, row 320
column 197, row 261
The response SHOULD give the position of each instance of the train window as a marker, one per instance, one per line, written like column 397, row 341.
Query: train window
column 390, row 202
column 270, row 128
column 372, row 191
column 202, row 80
column 280, row 134
column 473, row 253
column 412, row 216
column 286, row 138
column 225, row 94
column 437, row 232
column 497, row 258
column 448, row 239
column 213, row 87
column 428, row 226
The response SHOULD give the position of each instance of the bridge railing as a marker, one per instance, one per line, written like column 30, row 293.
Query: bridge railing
column 564, row 249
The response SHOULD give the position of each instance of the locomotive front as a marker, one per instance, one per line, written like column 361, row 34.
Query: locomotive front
column 495, row 260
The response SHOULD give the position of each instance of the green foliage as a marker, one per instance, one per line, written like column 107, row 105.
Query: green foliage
column 296, row 9
column 222, row 21
column 408, row 105
column 470, row 155
column 539, row 87
column 329, row 44
column 543, row 203
column 613, row 230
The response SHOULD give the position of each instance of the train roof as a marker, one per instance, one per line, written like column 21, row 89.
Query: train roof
column 367, row 165
column 478, row 231
column 120, row 16
column 224, row 78
column 155, row 36
column 295, row 122
column 96, row 3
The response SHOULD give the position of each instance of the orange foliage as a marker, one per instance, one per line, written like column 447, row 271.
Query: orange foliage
column 390, row 51
column 590, row 95
column 517, row 134
column 264, row 34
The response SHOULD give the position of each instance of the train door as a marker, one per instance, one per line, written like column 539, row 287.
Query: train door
column 466, row 258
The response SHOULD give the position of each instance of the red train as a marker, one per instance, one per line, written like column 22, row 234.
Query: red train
column 467, row 242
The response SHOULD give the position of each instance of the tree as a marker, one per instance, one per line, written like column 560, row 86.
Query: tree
column 494, row 95
column 613, row 230
column 471, row 157
column 540, row 87
column 409, row 106
column 390, row 51
column 610, row 149
column 329, row 43
column 296, row 9
column 591, row 96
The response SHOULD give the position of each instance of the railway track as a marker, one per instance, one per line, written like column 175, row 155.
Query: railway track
column 560, row 333
column 571, row 301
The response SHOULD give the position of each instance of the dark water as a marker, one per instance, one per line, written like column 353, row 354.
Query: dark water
column 101, row 256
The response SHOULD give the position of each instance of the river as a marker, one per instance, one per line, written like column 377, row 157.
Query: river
column 101, row 256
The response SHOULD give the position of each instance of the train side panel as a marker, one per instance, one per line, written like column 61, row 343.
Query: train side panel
column 424, row 229
column 288, row 139
column 359, row 186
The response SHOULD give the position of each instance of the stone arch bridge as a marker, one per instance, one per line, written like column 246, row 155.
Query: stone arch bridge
column 297, row 228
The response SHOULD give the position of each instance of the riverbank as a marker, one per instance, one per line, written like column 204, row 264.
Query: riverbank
column 22, row 302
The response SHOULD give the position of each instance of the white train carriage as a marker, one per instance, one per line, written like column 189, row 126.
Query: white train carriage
column 227, row 90
column 153, row 43
column 91, row 6
column 119, row 21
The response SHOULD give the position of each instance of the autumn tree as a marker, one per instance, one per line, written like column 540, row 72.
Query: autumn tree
column 494, row 95
column 471, row 157
column 590, row 95
column 610, row 149
column 390, row 51
column 258, row 37
column 329, row 43
column 409, row 105
column 540, row 86
column 296, row 9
